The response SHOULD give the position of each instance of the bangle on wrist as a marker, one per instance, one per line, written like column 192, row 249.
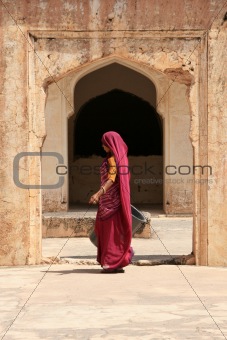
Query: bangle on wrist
column 103, row 189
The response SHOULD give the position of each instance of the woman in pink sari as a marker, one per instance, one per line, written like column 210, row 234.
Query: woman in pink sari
column 113, row 226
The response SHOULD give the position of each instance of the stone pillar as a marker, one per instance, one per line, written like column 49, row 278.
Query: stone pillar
column 20, row 232
column 56, row 122
column 217, row 147
column 178, row 167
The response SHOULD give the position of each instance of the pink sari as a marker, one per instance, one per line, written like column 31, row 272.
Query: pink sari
column 113, row 225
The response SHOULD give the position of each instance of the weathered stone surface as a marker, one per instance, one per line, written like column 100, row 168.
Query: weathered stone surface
column 55, row 226
column 180, row 75
column 128, row 14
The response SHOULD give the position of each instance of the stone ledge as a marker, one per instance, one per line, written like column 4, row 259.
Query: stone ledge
column 55, row 226
column 135, row 34
column 68, row 225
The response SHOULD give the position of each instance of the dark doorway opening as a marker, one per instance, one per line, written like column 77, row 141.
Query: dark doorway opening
column 132, row 117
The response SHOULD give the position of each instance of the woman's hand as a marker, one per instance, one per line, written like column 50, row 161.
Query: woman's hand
column 94, row 198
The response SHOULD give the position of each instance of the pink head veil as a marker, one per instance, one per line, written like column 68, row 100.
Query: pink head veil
column 119, row 149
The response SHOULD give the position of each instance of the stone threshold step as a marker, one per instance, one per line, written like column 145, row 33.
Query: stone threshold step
column 81, row 224
column 156, row 261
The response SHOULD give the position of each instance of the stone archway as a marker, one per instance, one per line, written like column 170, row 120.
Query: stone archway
column 174, row 109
